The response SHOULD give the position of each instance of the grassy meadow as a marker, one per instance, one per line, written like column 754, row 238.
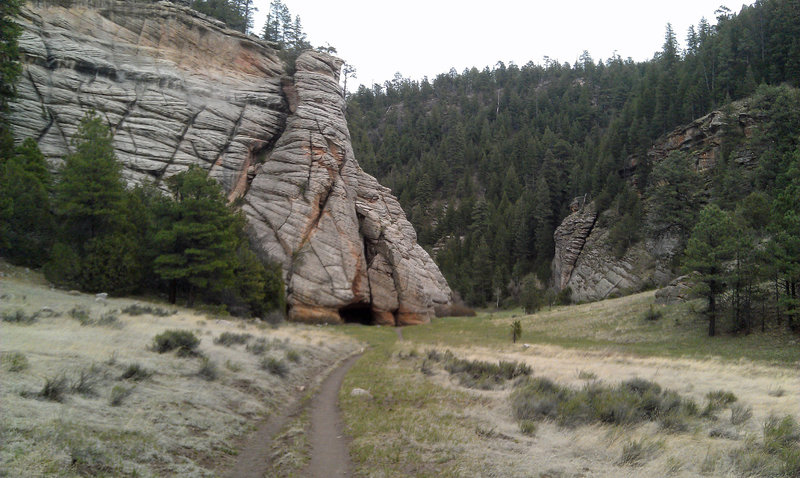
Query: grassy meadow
column 709, row 406
column 84, row 392
column 621, row 387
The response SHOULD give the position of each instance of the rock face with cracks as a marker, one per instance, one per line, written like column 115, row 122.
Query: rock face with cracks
column 179, row 89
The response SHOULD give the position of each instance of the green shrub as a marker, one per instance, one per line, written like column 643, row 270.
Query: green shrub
column 14, row 361
column 208, row 370
column 275, row 366
column 85, row 383
column 55, row 388
column 137, row 309
column 19, row 317
column 630, row 402
column 135, row 372
column 293, row 356
column 184, row 341
column 652, row 315
column 81, row 314
column 636, row 453
column 484, row 375
column 740, row 414
column 527, row 427
column 716, row 400
column 259, row 347
column 228, row 339
column 109, row 319
column 118, row 394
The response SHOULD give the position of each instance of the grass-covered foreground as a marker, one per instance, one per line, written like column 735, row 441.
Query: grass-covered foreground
column 121, row 388
column 602, row 389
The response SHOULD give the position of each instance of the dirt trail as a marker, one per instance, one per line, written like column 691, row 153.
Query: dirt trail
column 329, row 455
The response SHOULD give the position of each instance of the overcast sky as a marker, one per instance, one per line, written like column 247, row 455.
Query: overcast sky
column 427, row 37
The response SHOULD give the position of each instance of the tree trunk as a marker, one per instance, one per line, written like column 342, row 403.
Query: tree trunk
column 712, row 315
column 173, row 291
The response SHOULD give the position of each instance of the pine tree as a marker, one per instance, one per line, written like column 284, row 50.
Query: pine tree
column 199, row 242
column 96, row 249
column 710, row 246
column 26, row 222
column 90, row 192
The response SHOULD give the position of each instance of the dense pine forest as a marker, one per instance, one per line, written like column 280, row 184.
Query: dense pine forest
column 486, row 162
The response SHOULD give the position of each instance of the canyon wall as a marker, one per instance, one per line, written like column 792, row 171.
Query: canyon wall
column 179, row 89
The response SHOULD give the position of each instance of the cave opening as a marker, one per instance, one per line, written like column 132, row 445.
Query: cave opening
column 357, row 314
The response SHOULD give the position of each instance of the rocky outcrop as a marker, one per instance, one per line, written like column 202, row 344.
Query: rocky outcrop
column 178, row 89
column 583, row 259
column 678, row 290
column 570, row 238
column 703, row 137
column 585, row 263
column 349, row 251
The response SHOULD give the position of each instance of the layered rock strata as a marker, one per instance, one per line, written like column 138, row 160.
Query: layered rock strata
column 179, row 89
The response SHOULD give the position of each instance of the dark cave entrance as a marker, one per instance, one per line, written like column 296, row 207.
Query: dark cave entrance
column 357, row 314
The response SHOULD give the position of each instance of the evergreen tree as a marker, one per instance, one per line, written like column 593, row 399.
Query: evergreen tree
column 90, row 193
column 26, row 222
column 710, row 246
column 198, row 245
column 96, row 250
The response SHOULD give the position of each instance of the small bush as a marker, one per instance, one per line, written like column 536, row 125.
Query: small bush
column 740, row 414
column 85, row 383
column 54, row 389
column 636, row 453
column 14, row 361
column 630, row 402
column 118, row 394
column 229, row 339
column 275, row 366
column 485, row 375
column 208, row 370
column 781, row 434
column 587, row 375
column 19, row 317
column 233, row 366
column 716, row 400
column 259, row 347
column 293, row 356
column 652, row 315
column 109, row 319
column 184, row 341
column 137, row 309
column 81, row 314
column 135, row 372
column 527, row 427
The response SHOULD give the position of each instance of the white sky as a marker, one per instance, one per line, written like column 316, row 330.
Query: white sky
column 427, row 37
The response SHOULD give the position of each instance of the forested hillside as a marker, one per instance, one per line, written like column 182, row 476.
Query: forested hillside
column 486, row 162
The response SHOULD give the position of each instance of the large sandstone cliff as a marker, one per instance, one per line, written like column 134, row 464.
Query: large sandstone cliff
column 584, row 260
column 178, row 89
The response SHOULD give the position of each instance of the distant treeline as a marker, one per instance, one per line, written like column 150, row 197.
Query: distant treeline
column 486, row 162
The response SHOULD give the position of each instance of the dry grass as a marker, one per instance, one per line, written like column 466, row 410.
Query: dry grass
column 602, row 343
column 125, row 410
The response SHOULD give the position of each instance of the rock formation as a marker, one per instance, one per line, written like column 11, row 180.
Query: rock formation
column 585, row 263
column 584, row 260
column 178, row 88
